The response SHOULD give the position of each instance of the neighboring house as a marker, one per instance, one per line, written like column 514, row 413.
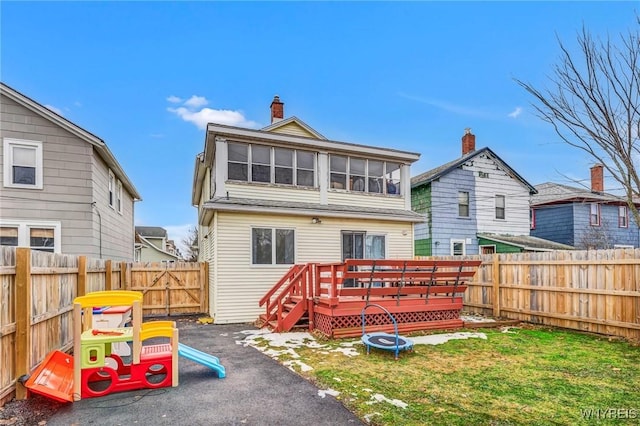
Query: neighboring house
column 61, row 189
column 153, row 245
column 586, row 219
column 471, row 205
column 284, row 195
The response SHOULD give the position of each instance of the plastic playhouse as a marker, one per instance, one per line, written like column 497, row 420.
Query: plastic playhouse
column 97, row 367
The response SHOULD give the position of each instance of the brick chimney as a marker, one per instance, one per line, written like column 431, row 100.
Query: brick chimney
column 277, row 109
column 468, row 141
column 597, row 178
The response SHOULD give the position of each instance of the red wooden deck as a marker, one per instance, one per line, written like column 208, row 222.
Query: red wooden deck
column 420, row 294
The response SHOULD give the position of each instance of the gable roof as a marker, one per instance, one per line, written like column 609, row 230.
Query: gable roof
column 555, row 193
column 99, row 145
column 143, row 241
column 151, row 231
column 433, row 174
column 526, row 242
column 296, row 121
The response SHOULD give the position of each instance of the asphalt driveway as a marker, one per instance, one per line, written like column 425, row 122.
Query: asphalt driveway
column 256, row 391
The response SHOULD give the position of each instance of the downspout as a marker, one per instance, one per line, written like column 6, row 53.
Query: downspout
column 99, row 227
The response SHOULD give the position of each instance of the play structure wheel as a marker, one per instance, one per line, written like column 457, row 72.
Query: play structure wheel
column 98, row 381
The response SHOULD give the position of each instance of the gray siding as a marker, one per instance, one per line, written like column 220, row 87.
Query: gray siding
column 71, row 173
column 446, row 224
column 608, row 233
column 555, row 223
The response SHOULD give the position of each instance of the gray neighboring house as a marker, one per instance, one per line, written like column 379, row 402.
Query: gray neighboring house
column 61, row 188
column 154, row 245
column 584, row 218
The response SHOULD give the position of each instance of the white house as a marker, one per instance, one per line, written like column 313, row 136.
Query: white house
column 284, row 195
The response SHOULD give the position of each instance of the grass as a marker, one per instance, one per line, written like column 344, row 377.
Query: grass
column 531, row 375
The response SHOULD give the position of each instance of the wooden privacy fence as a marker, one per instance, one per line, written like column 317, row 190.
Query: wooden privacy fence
column 596, row 291
column 36, row 301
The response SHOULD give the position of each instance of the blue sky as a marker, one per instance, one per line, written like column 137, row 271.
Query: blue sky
column 146, row 76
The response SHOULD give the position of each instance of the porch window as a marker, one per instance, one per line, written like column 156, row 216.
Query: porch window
column 392, row 178
column 594, row 216
column 22, row 163
column 273, row 246
column 260, row 163
column 500, row 207
column 623, row 217
column 338, row 172
column 238, row 167
column 305, row 168
column 376, row 177
column 357, row 174
column 463, row 204
column 284, row 166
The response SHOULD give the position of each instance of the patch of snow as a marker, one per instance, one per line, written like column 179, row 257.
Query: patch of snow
column 375, row 398
column 507, row 330
column 367, row 390
column 323, row 393
column 346, row 351
column 367, row 417
column 438, row 339
column 337, row 379
column 476, row 318
column 303, row 367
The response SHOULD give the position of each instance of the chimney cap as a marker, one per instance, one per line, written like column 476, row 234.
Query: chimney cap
column 467, row 130
column 276, row 98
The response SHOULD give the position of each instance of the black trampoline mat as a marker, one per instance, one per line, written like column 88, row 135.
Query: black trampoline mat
column 386, row 340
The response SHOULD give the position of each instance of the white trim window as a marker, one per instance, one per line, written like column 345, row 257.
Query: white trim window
column 463, row 204
column 119, row 197
column 267, row 250
column 22, row 164
column 594, row 215
column 38, row 235
column 267, row 164
column 500, row 207
column 623, row 217
column 112, row 187
column 458, row 247
column 364, row 175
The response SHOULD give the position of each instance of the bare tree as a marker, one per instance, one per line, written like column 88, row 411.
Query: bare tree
column 596, row 238
column 594, row 104
column 190, row 242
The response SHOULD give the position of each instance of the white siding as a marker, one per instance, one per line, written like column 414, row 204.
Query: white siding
column 273, row 193
column 238, row 285
column 498, row 182
column 360, row 199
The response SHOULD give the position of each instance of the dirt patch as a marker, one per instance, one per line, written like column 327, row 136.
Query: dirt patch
column 35, row 410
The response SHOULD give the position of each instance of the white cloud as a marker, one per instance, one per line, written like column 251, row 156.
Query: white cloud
column 208, row 115
column 177, row 233
column 515, row 113
column 196, row 102
column 174, row 99
column 447, row 106
column 54, row 109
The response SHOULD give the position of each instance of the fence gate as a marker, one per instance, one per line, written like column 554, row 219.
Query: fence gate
column 178, row 288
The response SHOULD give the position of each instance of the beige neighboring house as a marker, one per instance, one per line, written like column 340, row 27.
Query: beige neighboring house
column 284, row 195
column 61, row 188
column 153, row 245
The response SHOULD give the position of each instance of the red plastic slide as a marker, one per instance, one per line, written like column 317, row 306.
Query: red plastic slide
column 54, row 377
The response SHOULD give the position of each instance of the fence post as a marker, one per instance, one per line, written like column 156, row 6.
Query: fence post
column 81, row 290
column 108, row 275
column 123, row 275
column 22, row 355
column 496, row 286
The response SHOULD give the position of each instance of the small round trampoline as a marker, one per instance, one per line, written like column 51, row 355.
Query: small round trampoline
column 385, row 341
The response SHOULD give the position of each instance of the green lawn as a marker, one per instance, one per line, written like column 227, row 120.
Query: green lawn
column 527, row 375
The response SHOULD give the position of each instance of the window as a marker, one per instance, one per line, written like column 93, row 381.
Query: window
column 265, row 164
column 362, row 175
column 22, row 163
column 594, row 216
column 266, row 251
column 238, row 166
column 532, row 219
column 487, row 249
column 338, row 172
column 463, row 204
column 119, row 197
column 38, row 235
column 284, row 166
column 458, row 248
column 500, row 207
column 375, row 247
column 623, row 217
column 112, row 188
